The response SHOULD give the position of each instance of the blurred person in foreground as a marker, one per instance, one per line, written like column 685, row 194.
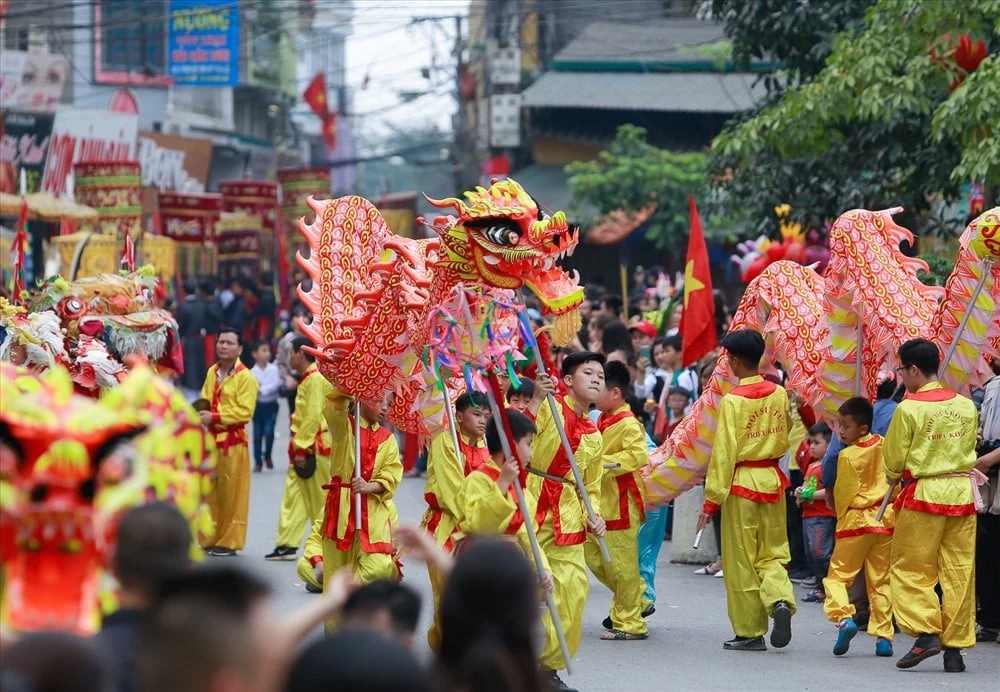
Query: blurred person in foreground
column 388, row 607
column 54, row 662
column 357, row 661
column 154, row 543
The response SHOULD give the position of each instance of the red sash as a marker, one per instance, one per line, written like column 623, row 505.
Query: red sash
column 576, row 427
column 236, row 434
column 756, row 496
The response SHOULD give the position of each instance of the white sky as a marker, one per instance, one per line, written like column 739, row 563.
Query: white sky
column 392, row 55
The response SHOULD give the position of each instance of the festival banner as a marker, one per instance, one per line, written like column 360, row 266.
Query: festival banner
column 24, row 147
column 87, row 135
column 203, row 42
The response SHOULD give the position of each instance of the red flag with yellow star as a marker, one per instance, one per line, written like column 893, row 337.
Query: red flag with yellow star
column 315, row 96
column 698, row 317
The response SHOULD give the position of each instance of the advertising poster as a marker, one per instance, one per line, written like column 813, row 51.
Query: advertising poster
column 24, row 146
column 87, row 135
column 203, row 42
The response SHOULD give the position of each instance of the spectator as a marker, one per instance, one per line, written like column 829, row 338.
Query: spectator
column 54, row 662
column 615, row 337
column 357, row 661
column 154, row 543
column 234, row 306
column 388, row 607
column 266, row 414
column 612, row 305
column 289, row 377
column 192, row 326
column 489, row 616
column 595, row 330
column 266, row 309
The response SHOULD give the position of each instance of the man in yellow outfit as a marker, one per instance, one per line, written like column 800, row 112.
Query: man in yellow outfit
column 232, row 392
column 487, row 496
column 745, row 481
column 445, row 473
column 368, row 551
column 931, row 446
column 862, row 541
column 622, row 507
column 562, row 517
column 308, row 455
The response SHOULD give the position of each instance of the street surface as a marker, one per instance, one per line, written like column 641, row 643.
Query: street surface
column 684, row 649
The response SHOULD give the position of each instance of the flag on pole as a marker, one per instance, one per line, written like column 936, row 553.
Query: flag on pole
column 697, row 327
column 17, row 251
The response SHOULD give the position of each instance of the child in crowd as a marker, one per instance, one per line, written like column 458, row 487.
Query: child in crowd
column 745, row 480
column 563, row 522
column 863, row 542
column 819, row 522
column 678, row 401
column 622, row 507
column 520, row 397
column 446, row 470
column 266, row 414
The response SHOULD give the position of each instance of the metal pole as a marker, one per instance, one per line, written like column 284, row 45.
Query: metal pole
column 451, row 418
column 529, row 527
column 858, row 361
column 357, row 463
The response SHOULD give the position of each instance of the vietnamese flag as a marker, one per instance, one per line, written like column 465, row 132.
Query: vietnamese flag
column 315, row 96
column 329, row 131
column 698, row 317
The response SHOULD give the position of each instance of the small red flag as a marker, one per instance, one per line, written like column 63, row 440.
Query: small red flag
column 17, row 251
column 315, row 96
column 329, row 131
column 698, row 317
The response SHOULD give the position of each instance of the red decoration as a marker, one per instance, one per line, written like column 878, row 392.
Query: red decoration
column 17, row 251
column 961, row 56
column 315, row 95
column 698, row 317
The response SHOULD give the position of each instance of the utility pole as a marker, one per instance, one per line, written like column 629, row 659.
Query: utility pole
column 503, row 78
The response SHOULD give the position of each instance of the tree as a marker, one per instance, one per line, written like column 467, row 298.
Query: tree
column 632, row 175
column 883, row 122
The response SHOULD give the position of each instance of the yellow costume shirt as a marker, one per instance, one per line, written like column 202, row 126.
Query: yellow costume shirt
column 624, row 446
column 932, row 442
column 445, row 475
column 309, row 431
column 859, row 490
column 752, row 435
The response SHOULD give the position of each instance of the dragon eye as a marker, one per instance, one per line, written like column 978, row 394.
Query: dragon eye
column 501, row 235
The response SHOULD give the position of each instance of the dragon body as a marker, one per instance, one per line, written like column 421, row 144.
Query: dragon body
column 375, row 296
column 834, row 333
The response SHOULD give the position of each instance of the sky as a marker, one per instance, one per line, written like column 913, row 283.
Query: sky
column 387, row 48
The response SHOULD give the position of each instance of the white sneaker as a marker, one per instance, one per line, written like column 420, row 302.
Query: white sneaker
column 718, row 575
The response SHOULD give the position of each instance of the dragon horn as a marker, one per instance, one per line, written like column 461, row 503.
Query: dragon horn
column 457, row 204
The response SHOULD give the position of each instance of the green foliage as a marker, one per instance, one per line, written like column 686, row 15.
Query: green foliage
column 940, row 270
column 631, row 175
column 878, row 125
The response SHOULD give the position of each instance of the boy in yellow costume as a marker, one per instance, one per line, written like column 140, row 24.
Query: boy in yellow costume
column 368, row 552
column 862, row 542
column 487, row 496
column 445, row 474
column 745, row 481
column 562, row 517
column 308, row 455
column 622, row 507
column 931, row 446
column 232, row 393
column 310, row 566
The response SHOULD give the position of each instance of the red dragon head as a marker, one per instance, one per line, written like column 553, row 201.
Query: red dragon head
column 53, row 537
column 502, row 238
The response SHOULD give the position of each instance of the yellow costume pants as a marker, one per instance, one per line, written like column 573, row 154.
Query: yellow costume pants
column 302, row 503
column 437, row 588
column 367, row 567
column 928, row 549
column 230, row 500
column 851, row 554
column 569, row 572
column 621, row 576
column 314, row 548
column 754, row 554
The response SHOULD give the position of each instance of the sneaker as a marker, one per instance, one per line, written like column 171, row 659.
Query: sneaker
column 799, row 577
column 220, row 552
column 810, row 583
column 555, row 682
column 718, row 575
column 781, row 632
column 953, row 662
column 883, row 647
column 312, row 588
column 846, row 631
column 814, row 596
column 649, row 610
column 927, row 645
column 986, row 634
column 282, row 553
column 745, row 644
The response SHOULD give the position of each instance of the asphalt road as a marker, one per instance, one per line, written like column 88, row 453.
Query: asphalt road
column 684, row 649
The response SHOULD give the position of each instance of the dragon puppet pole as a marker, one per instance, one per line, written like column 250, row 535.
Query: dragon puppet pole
column 944, row 363
column 507, row 443
column 357, row 464
column 450, row 412
column 557, row 419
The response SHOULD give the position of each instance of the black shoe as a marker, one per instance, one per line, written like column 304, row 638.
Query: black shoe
column 268, row 463
column 799, row 577
column 555, row 682
column 607, row 624
column 745, row 644
column 282, row 553
column 220, row 552
column 311, row 588
column 781, row 633
column 927, row 645
column 257, row 468
column 953, row 662
column 650, row 609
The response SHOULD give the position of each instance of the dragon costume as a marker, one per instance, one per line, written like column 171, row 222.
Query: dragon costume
column 834, row 333
column 375, row 295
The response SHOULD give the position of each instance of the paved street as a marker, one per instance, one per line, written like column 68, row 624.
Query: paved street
column 684, row 649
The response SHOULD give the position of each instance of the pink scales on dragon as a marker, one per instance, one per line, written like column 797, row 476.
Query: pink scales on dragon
column 374, row 294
